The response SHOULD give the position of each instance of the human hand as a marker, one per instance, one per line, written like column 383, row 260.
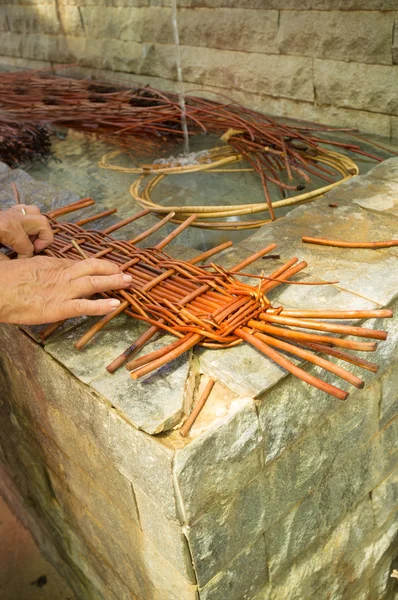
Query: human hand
column 44, row 290
column 25, row 233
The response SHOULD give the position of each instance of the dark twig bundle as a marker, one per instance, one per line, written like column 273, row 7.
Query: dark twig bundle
column 211, row 306
column 23, row 143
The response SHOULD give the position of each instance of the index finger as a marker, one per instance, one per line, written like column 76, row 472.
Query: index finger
column 93, row 266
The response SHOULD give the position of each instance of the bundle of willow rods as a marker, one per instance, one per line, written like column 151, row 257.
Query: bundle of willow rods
column 122, row 115
column 23, row 143
column 211, row 306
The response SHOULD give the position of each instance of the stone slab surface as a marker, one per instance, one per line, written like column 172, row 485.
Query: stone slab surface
column 370, row 274
column 154, row 403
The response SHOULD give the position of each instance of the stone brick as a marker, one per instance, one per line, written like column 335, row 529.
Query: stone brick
column 111, row 54
column 166, row 535
column 251, row 4
column 33, row 19
column 315, row 517
column 384, row 544
column 286, row 77
column 353, row 5
column 240, row 29
column 372, row 122
column 316, row 571
column 243, row 369
column 222, row 460
column 117, row 23
column 372, row 193
column 382, row 585
column 386, row 170
column 389, row 397
column 362, row 37
column 309, row 462
column 71, row 20
column 87, row 425
column 385, row 499
column 387, row 351
column 218, row 537
column 155, row 403
column 242, row 578
column 374, row 89
column 377, row 284
column 11, row 44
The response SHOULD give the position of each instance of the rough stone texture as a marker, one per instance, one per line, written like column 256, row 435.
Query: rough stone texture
column 375, row 282
column 252, row 564
column 362, row 37
column 374, row 88
column 278, row 57
column 224, row 466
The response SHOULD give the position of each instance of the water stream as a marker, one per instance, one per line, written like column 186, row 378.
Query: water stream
column 181, row 94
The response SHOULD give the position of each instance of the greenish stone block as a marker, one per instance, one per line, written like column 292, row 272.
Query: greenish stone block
column 217, row 464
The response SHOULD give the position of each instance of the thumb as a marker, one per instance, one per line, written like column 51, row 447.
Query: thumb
column 20, row 242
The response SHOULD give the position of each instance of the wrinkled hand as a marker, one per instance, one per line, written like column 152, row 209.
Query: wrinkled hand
column 44, row 290
column 25, row 233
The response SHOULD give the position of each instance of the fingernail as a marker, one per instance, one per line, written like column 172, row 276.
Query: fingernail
column 127, row 278
column 114, row 302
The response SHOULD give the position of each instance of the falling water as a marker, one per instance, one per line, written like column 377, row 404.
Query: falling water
column 181, row 94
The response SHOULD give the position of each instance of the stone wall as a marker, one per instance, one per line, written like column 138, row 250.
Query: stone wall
column 333, row 61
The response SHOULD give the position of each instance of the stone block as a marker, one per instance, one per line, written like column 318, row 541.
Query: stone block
column 314, row 518
column 307, row 464
column 374, row 194
column 214, row 466
column 71, row 20
column 386, row 170
column 385, row 499
column 243, row 369
column 375, row 282
column 110, row 54
column 242, row 578
column 385, row 542
column 11, row 44
column 380, row 5
column 166, row 535
column 362, row 37
column 240, row 29
column 4, row 26
column 44, row 195
column 286, row 77
column 32, row 19
column 313, row 574
column 218, row 537
column 158, row 403
column 382, row 585
column 114, row 23
column 366, row 121
column 374, row 85
column 389, row 397
column 387, row 351
column 251, row 4
column 90, row 426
